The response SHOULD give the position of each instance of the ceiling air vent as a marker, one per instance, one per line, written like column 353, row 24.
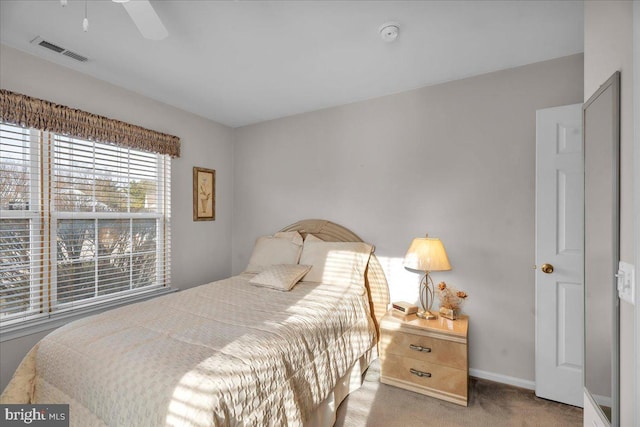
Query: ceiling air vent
column 75, row 56
column 51, row 46
column 58, row 49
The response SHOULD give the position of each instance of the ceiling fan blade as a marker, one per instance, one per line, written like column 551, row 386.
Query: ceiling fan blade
column 146, row 19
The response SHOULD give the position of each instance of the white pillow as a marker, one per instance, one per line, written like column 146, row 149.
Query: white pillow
column 335, row 262
column 282, row 277
column 292, row 236
column 312, row 238
column 272, row 250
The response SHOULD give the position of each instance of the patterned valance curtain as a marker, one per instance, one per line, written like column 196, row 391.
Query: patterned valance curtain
column 25, row 111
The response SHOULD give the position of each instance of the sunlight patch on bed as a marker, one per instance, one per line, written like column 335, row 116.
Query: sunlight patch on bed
column 202, row 390
column 191, row 398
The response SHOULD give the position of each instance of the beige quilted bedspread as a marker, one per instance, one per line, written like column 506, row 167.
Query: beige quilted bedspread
column 222, row 354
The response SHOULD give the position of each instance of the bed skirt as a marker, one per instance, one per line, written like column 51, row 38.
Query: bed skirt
column 325, row 414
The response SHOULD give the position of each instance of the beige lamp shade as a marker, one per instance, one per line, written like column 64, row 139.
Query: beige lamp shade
column 427, row 254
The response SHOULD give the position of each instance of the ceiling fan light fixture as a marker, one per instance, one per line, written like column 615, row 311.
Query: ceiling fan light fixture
column 85, row 21
column 146, row 19
column 120, row 1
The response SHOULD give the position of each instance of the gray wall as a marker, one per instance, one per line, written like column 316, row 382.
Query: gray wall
column 455, row 160
column 608, row 47
column 200, row 250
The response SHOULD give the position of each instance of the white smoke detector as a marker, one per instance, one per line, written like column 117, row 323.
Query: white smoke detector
column 389, row 31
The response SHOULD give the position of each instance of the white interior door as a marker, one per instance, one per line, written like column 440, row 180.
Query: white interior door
column 559, row 252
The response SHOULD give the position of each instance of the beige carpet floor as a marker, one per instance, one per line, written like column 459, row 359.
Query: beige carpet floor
column 490, row 404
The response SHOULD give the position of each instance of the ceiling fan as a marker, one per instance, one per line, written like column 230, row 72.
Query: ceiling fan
column 142, row 14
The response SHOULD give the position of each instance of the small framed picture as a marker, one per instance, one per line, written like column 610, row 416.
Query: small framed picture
column 204, row 194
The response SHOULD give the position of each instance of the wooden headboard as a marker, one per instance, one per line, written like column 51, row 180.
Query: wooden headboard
column 375, row 280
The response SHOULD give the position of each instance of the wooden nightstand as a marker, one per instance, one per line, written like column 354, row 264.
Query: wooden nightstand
column 426, row 356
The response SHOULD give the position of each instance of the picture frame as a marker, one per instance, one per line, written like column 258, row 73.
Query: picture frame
column 204, row 194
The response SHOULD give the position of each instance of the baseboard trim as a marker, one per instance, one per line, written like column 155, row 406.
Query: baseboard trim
column 505, row 379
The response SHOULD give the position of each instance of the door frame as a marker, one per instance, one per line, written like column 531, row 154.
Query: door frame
column 636, row 203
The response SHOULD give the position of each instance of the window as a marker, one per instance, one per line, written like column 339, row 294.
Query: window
column 21, row 234
column 81, row 223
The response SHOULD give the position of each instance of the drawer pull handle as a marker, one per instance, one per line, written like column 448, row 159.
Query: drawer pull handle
column 420, row 373
column 419, row 348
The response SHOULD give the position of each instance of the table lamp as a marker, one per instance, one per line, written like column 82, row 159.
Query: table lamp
column 427, row 254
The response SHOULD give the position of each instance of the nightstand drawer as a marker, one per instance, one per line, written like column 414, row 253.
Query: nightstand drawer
column 424, row 348
column 424, row 377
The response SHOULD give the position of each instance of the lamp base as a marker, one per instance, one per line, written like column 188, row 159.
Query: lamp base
column 426, row 297
column 427, row 315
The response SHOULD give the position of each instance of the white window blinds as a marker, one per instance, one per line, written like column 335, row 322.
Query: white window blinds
column 85, row 222
column 21, row 228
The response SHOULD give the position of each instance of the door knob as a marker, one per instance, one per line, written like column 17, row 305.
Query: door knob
column 547, row 268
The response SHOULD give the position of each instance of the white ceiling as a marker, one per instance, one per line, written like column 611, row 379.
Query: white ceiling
column 242, row 62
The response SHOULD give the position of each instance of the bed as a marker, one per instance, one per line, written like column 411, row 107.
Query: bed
column 227, row 353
